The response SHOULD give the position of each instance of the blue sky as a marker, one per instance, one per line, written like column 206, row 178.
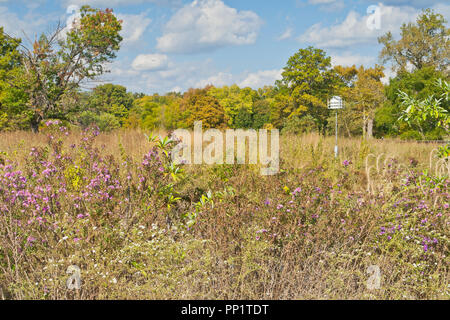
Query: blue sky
column 172, row 45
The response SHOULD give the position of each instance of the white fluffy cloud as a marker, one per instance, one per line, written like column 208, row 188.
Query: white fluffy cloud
column 150, row 62
column 176, row 76
column 133, row 26
column 218, row 80
column 286, row 34
column 28, row 24
column 205, row 25
column 388, row 74
column 176, row 89
column 253, row 80
column 350, row 59
column 354, row 30
column 261, row 78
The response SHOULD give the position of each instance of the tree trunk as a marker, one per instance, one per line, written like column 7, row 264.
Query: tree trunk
column 364, row 126
column 369, row 128
column 35, row 127
column 34, row 124
column 348, row 130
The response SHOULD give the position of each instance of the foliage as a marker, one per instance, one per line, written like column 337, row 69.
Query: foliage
column 110, row 98
column 12, row 99
column 419, row 84
column 297, row 125
column 198, row 105
column 58, row 63
column 418, row 112
column 237, row 104
column 44, row 82
column 431, row 109
column 158, row 111
column 363, row 93
column 310, row 79
column 424, row 43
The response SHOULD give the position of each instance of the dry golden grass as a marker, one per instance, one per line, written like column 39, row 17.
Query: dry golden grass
column 294, row 150
column 152, row 255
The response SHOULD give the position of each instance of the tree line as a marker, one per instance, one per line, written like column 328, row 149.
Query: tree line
column 43, row 81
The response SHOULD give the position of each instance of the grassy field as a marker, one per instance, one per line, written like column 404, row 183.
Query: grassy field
column 113, row 205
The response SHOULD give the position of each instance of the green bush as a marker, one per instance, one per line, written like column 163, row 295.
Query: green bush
column 410, row 135
column 297, row 125
column 107, row 122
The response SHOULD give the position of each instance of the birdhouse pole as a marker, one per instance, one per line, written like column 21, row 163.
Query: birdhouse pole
column 336, row 103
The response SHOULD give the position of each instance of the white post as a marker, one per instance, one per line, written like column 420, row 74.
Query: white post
column 336, row 103
column 336, row 146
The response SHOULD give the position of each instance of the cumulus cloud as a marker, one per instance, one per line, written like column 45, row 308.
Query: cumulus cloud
column 176, row 89
column 350, row 59
column 286, row 34
column 253, row 80
column 175, row 75
column 150, row 62
column 261, row 78
column 28, row 24
column 205, row 25
column 218, row 80
column 144, row 75
column 133, row 26
column 443, row 9
column 354, row 30
column 388, row 74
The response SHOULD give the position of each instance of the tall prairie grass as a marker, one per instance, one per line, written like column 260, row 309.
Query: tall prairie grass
column 113, row 205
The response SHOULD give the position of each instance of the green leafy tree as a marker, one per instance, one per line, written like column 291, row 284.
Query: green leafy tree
column 112, row 99
column 107, row 122
column 299, row 125
column 244, row 119
column 237, row 104
column 363, row 93
column 261, row 113
column 151, row 111
column 424, row 43
column 107, row 95
column 157, row 112
column 282, row 105
column 57, row 64
column 12, row 99
column 419, row 84
column 310, row 78
column 350, row 119
column 198, row 105
column 432, row 109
